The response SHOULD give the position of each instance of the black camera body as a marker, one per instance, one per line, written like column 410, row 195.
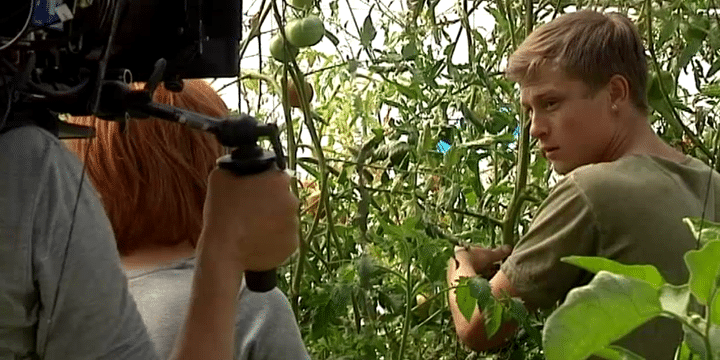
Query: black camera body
column 79, row 56
column 58, row 54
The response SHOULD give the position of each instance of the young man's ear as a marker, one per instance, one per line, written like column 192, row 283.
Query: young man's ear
column 619, row 90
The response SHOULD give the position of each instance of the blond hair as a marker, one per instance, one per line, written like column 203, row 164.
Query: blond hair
column 152, row 178
column 589, row 46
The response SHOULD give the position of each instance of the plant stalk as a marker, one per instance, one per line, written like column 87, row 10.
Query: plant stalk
column 408, row 303
column 523, row 157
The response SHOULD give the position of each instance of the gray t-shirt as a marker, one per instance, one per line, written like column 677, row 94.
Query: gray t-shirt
column 54, row 306
column 265, row 327
column 629, row 210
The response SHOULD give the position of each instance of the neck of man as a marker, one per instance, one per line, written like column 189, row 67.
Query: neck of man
column 638, row 138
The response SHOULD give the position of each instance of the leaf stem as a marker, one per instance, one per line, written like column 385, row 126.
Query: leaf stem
column 708, row 320
column 693, row 328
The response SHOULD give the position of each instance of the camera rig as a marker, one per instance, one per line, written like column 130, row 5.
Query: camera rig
column 79, row 56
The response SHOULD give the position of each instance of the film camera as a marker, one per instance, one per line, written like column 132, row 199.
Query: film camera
column 79, row 56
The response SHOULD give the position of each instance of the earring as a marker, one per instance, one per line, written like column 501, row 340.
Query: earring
column 614, row 107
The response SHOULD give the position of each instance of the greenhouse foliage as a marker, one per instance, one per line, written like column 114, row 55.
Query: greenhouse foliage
column 407, row 140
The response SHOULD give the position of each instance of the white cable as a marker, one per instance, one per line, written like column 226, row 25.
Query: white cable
column 25, row 27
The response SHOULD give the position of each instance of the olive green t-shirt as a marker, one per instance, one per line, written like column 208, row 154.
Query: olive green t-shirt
column 630, row 211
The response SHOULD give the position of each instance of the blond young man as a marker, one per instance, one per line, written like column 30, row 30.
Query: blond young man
column 624, row 194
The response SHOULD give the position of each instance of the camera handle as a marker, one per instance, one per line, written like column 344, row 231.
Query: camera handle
column 247, row 159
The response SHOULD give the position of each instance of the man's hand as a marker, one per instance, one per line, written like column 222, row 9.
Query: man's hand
column 251, row 219
column 476, row 260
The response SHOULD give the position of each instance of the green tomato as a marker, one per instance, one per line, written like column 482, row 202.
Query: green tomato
column 306, row 31
column 278, row 51
column 302, row 4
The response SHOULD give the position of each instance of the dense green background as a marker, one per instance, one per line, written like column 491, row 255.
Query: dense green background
column 382, row 206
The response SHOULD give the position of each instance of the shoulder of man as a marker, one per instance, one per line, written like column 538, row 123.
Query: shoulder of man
column 614, row 180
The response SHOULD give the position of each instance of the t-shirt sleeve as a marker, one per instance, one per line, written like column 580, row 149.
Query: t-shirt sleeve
column 86, row 310
column 266, row 328
column 564, row 225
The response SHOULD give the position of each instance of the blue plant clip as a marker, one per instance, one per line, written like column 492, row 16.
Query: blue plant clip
column 443, row 147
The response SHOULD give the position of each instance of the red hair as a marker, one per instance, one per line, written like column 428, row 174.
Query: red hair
column 152, row 178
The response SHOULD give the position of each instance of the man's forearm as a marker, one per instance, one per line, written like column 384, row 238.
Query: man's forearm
column 472, row 332
column 208, row 332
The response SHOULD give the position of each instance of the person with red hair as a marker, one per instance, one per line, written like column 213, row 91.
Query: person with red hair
column 151, row 176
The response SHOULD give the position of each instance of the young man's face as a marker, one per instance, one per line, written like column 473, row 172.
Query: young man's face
column 573, row 128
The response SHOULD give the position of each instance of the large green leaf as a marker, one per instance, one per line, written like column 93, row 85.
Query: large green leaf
column 594, row 264
column 595, row 315
column 710, row 230
column 704, row 266
column 618, row 353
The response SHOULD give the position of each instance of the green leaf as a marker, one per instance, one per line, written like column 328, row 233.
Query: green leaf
column 594, row 264
column 465, row 301
column 426, row 139
column 669, row 27
column 364, row 270
column 692, row 47
column 595, row 315
column 614, row 352
column 480, row 289
column 713, row 68
column 710, row 230
column 471, row 116
column 683, row 352
column 675, row 299
column 715, row 316
column 711, row 90
column 695, row 343
column 493, row 314
column 704, row 266
column 714, row 337
column 409, row 50
column 518, row 312
column 368, row 31
column 352, row 65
